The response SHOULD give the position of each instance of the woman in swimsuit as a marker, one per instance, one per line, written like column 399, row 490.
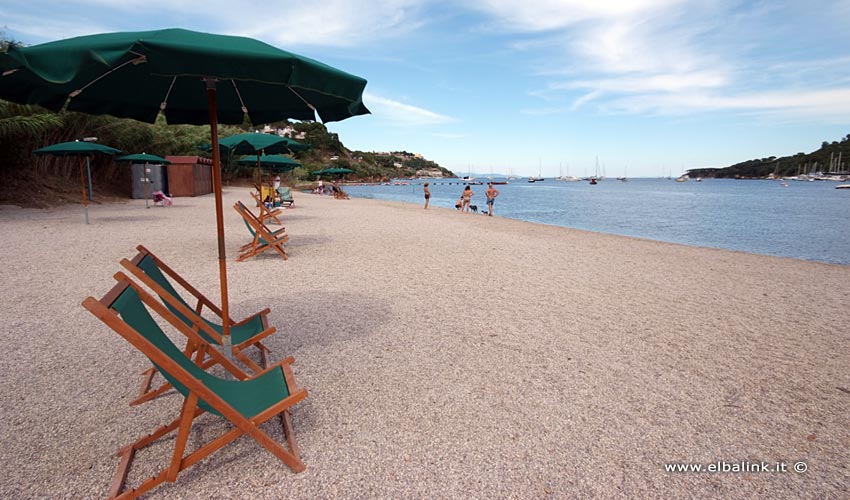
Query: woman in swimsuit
column 467, row 198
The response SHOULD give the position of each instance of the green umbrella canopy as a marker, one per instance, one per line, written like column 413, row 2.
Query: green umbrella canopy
column 135, row 74
column 333, row 171
column 77, row 148
column 277, row 163
column 254, row 143
column 191, row 77
column 144, row 158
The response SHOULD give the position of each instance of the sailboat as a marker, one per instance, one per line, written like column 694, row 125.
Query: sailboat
column 595, row 179
column 539, row 177
column 625, row 177
column 568, row 177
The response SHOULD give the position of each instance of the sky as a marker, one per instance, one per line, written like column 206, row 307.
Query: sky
column 642, row 88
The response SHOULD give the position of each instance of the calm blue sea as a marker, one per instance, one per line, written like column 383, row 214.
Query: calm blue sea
column 806, row 220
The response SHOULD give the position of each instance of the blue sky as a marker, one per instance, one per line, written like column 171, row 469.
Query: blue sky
column 647, row 86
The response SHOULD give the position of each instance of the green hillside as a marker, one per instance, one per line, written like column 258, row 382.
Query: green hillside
column 38, row 181
column 800, row 163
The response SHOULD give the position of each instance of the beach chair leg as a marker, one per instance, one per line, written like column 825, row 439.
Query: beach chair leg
column 286, row 422
column 151, row 394
column 127, row 454
column 120, row 476
column 247, row 361
column 189, row 406
column 147, row 378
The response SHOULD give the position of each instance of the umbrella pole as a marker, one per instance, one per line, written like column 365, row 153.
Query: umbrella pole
column 219, row 217
column 145, row 181
column 88, row 174
column 83, row 184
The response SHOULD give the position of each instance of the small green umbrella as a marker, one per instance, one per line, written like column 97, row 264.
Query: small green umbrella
column 333, row 171
column 190, row 77
column 80, row 149
column 275, row 163
column 145, row 159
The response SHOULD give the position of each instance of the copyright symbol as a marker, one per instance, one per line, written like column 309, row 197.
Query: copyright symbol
column 800, row 467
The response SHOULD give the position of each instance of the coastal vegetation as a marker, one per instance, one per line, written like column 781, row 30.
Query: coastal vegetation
column 833, row 155
column 43, row 181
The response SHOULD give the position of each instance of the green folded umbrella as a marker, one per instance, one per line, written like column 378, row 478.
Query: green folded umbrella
column 80, row 149
column 190, row 77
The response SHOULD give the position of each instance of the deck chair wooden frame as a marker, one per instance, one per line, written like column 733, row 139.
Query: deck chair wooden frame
column 195, row 392
column 266, row 213
column 263, row 238
column 193, row 318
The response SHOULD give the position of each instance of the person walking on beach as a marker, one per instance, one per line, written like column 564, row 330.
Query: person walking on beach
column 427, row 194
column 491, row 195
column 467, row 198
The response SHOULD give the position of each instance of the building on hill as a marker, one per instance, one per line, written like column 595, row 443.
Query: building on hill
column 286, row 131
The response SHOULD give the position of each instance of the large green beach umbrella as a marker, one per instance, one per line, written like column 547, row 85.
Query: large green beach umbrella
column 79, row 149
column 145, row 159
column 191, row 77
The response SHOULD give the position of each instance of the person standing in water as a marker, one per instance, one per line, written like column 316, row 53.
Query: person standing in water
column 427, row 194
column 491, row 195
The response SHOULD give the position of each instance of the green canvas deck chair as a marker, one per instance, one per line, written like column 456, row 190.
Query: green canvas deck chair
column 285, row 196
column 245, row 403
column 251, row 331
column 266, row 213
column 262, row 237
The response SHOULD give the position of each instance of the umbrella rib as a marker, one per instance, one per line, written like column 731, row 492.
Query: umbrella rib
column 164, row 102
column 299, row 96
column 244, row 108
column 139, row 60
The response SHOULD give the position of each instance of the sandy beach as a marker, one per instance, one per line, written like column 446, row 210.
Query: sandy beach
column 445, row 355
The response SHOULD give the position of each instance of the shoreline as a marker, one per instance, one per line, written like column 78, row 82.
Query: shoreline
column 444, row 356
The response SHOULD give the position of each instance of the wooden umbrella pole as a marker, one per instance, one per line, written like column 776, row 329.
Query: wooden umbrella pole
column 83, row 184
column 219, row 216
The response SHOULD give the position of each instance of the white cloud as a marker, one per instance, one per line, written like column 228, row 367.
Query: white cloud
column 542, row 15
column 332, row 23
column 402, row 114
column 829, row 104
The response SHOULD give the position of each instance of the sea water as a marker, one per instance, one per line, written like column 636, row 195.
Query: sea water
column 805, row 220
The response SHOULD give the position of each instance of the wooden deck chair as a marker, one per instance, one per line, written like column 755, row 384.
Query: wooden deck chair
column 286, row 196
column 265, row 212
column 245, row 403
column 152, row 271
column 262, row 237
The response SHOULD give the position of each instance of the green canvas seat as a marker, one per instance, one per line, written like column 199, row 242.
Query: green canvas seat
column 285, row 196
column 251, row 331
column 246, row 402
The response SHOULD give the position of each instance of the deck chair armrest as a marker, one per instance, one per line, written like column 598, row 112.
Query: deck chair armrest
column 256, row 338
column 264, row 314
column 284, row 364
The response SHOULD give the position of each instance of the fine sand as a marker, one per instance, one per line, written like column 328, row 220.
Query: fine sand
column 445, row 355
